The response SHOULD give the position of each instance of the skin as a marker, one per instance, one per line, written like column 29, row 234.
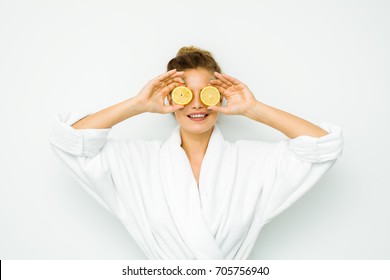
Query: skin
column 195, row 80
column 196, row 135
column 241, row 101
column 149, row 99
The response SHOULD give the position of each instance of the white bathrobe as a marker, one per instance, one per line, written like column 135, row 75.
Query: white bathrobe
column 149, row 186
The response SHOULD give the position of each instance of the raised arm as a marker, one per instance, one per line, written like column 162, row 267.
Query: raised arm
column 241, row 101
column 149, row 99
column 292, row 126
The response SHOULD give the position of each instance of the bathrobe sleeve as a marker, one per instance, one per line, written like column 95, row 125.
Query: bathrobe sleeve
column 84, row 152
column 295, row 166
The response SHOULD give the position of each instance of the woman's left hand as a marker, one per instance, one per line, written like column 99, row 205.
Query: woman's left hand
column 238, row 96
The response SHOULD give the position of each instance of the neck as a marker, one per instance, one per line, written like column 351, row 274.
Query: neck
column 195, row 144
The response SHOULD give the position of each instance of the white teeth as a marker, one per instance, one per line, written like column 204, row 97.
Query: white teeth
column 197, row 116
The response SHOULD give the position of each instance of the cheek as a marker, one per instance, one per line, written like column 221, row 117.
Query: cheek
column 213, row 116
column 179, row 115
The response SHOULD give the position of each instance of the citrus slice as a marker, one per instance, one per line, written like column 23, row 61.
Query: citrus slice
column 182, row 95
column 210, row 96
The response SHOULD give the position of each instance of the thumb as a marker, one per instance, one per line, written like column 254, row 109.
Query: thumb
column 173, row 108
column 218, row 109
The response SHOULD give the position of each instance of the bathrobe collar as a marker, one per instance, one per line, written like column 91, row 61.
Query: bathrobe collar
column 184, row 196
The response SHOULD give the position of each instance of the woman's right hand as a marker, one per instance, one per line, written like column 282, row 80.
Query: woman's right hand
column 153, row 94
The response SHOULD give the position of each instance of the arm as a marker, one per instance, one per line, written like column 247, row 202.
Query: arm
column 81, row 144
column 292, row 126
column 111, row 116
column 241, row 101
column 291, row 167
column 150, row 99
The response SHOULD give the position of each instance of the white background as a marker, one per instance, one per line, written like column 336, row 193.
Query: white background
column 321, row 60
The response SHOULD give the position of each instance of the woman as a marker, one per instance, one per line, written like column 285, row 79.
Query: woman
column 195, row 196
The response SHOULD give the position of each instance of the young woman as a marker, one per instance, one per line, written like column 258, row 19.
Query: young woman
column 195, row 196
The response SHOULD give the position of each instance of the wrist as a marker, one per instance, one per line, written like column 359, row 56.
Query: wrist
column 135, row 106
column 255, row 111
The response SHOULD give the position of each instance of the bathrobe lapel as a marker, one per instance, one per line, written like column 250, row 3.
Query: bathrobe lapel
column 183, row 196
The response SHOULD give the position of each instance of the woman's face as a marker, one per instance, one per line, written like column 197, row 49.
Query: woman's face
column 196, row 80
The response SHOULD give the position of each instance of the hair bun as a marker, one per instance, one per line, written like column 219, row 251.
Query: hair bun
column 192, row 49
column 191, row 57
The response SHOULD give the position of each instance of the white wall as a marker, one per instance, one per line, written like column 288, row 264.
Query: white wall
column 322, row 60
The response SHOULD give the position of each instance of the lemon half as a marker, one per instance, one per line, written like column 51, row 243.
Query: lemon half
column 210, row 96
column 182, row 95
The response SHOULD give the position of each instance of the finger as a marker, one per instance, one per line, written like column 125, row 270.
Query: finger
column 167, row 89
column 223, row 79
column 168, row 75
column 221, row 89
column 231, row 79
column 178, row 80
column 172, row 108
column 172, row 75
column 221, row 86
column 170, row 81
column 228, row 94
column 218, row 109
column 177, row 74
column 165, row 75
column 219, row 83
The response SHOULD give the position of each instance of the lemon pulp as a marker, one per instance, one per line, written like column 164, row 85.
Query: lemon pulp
column 210, row 96
column 182, row 95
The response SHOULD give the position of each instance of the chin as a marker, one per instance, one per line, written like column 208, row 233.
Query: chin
column 197, row 127
column 197, row 130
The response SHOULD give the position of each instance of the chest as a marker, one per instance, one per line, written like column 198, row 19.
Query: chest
column 222, row 197
column 195, row 162
column 195, row 167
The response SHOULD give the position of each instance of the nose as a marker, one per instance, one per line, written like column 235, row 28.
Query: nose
column 196, row 103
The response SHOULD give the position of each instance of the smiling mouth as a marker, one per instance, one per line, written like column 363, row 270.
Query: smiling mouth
column 197, row 117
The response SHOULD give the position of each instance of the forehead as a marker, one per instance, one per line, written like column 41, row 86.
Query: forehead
column 197, row 77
